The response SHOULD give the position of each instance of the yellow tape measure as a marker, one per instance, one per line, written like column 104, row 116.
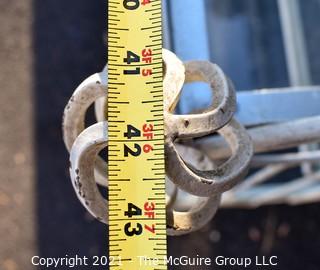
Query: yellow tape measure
column 137, row 215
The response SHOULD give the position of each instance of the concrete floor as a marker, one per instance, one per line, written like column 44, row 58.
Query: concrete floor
column 41, row 63
column 17, row 163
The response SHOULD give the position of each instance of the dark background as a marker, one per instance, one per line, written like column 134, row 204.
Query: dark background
column 47, row 48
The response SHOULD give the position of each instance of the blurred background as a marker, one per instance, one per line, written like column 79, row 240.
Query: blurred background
column 48, row 47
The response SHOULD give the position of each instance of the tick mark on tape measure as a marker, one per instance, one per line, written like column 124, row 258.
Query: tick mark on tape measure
column 152, row 101
column 117, row 179
column 153, row 179
column 150, row 27
column 116, row 83
column 117, row 240
column 115, row 200
column 120, row 29
column 119, row 102
column 156, row 239
column 152, row 9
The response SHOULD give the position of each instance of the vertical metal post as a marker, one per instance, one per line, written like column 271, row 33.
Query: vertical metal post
column 190, row 41
column 294, row 42
column 167, row 43
column 296, row 54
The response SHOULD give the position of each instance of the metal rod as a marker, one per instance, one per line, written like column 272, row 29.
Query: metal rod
column 294, row 42
column 268, row 138
column 296, row 54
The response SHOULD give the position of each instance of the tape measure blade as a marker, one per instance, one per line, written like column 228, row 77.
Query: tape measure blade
column 136, row 170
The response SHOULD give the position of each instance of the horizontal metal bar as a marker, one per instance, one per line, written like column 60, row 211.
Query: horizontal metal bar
column 277, row 105
column 267, row 138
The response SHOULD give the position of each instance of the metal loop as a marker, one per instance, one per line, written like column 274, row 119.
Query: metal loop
column 174, row 76
column 187, row 168
column 94, row 89
column 180, row 222
column 86, row 93
column 82, row 162
column 82, row 159
column 220, row 112
column 190, row 213
column 221, row 179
